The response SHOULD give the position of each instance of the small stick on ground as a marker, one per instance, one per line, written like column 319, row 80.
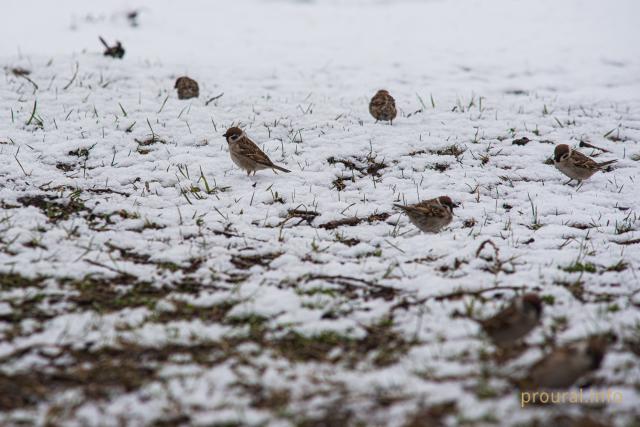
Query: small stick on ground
column 213, row 99
column 75, row 74
column 586, row 144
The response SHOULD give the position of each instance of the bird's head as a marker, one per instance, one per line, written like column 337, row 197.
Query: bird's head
column 446, row 201
column 233, row 134
column 561, row 152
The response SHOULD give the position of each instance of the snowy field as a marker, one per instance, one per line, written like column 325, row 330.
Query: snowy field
column 146, row 280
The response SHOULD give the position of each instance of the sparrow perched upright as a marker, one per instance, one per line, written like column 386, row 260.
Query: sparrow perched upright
column 246, row 154
column 187, row 88
column 383, row 106
column 430, row 216
column 576, row 165
column 565, row 365
column 515, row 321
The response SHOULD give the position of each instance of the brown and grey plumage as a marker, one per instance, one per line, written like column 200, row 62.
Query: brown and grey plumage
column 576, row 165
column 565, row 365
column 187, row 88
column 246, row 154
column 383, row 106
column 430, row 216
column 515, row 321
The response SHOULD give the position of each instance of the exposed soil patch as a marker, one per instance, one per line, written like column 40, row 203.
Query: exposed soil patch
column 244, row 262
column 355, row 221
column 53, row 207
column 365, row 166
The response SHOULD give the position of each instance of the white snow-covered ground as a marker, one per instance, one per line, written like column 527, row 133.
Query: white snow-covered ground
column 150, row 281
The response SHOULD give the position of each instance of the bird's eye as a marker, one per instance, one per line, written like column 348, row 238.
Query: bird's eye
column 565, row 156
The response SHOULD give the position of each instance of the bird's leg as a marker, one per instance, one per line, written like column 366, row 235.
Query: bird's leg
column 254, row 172
column 391, row 122
column 568, row 181
column 248, row 173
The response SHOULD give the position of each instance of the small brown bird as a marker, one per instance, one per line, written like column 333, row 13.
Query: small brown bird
column 565, row 365
column 187, row 88
column 246, row 154
column 576, row 165
column 430, row 216
column 515, row 321
column 383, row 106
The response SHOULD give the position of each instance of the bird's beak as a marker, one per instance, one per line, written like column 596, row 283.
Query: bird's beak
column 225, row 135
column 456, row 205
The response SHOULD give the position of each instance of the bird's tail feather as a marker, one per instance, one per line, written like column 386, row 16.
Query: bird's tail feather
column 280, row 168
column 604, row 164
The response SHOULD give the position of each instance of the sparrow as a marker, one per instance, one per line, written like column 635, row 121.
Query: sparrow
column 576, row 165
column 383, row 106
column 116, row 51
column 430, row 216
column 562, row 367
column 246, row 154
column 187, row 88
column 515, row 321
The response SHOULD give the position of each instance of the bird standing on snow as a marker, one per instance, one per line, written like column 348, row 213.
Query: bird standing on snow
column 576, row 165
column 565, row 365
column 383, row 106
column 246, row 154
column 187, row 88
column 431, row 215
column 515, row 321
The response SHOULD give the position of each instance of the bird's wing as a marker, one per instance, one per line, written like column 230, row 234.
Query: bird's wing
column 425, row 208
column 430, row 208
column 582, row 161
column 556, row 358
column 379, row 100
column 391, row 101
column 250, row 150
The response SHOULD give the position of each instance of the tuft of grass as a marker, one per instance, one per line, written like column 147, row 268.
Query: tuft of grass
column 440, row 167
column 617, row 267
column 454, row 150
column 339, row 184
column 548, row 299
column 53, row 208
column 37, row 121
column 627, row 224
column 580, row 267
column 188, row 312
column 381, row 345
column 17, row 281
column 535, row 220
column 245, row 262
column 366, row 166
